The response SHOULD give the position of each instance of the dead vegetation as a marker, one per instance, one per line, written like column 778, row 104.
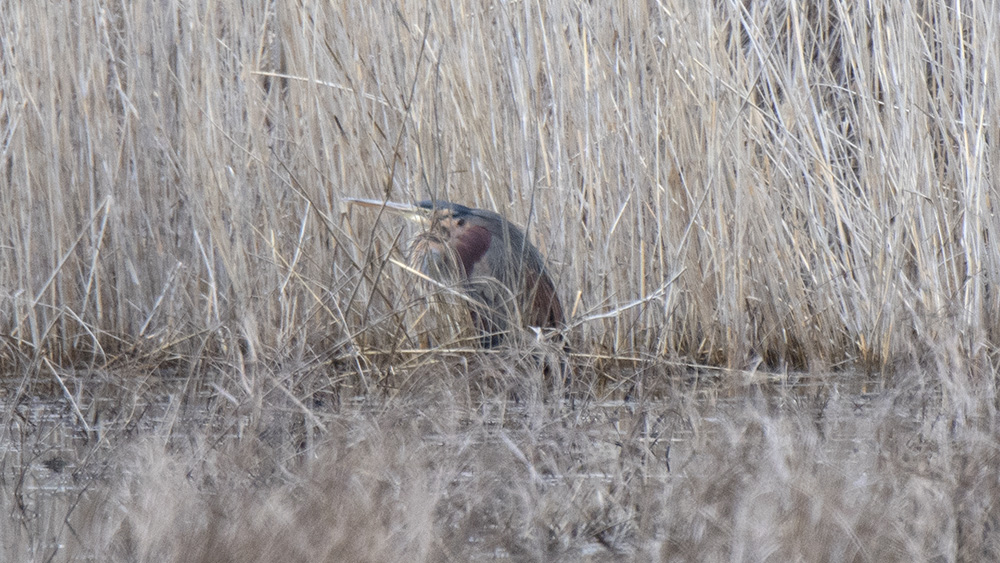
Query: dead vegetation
column 771, row 224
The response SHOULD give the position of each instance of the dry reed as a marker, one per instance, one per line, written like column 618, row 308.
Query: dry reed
column 731, row 195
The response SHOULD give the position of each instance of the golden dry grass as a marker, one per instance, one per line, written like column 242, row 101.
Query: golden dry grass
column 750, row 190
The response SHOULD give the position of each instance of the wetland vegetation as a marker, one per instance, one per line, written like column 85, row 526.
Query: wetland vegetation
column 770, row 224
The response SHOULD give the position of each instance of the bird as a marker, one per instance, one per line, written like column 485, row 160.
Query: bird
column 489, row 258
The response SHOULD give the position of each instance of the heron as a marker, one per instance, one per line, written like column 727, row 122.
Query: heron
column 489, row 258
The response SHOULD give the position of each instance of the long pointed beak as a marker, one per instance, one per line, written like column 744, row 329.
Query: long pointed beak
column 409, row 211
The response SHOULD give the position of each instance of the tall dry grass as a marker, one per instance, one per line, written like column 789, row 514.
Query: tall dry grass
column 810, row 185
column 718, row 185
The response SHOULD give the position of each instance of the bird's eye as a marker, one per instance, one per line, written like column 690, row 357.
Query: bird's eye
column 461, row 222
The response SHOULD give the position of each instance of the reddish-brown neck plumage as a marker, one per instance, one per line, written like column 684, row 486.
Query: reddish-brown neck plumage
column 471, row 244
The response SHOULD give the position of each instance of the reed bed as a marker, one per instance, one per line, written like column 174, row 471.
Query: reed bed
column 738, row 200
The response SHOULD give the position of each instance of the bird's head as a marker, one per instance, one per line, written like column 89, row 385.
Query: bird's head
column 451, row 230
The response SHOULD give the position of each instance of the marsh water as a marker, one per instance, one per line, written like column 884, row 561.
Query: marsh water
column 78, row 460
